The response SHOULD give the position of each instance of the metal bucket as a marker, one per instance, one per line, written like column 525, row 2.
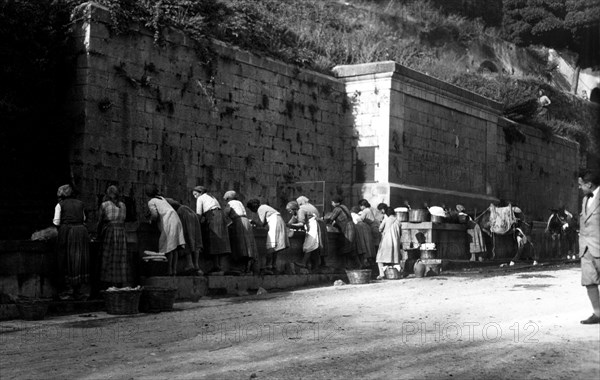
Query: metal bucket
column 402, row 216
column 359, row 276
column 438, row 219
column 418, row 216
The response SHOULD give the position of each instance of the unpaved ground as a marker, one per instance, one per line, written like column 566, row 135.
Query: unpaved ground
column 509, row 324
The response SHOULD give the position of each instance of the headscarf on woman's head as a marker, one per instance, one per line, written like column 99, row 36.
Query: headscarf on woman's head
column 65, row 191
column 229, row 195
column 302, row 200
column 112, row 194
column 382, row 206
column 337, row 198
column 253, row 205
column 152, row 191
column 364, row 202
column 292, row 205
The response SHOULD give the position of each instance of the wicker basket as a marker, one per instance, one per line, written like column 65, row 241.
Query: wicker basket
column 121, row 302
column 32, row 310
column 156, row 299
column 359, row 276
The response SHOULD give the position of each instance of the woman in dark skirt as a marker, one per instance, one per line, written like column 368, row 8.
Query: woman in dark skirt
column 192, row 233
column 72, row 244
column 342, row 219
column 241, row 232
column 214, row 226
column 116, row 264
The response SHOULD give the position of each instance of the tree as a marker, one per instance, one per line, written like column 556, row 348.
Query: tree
column 583, row 20
column 532, row 22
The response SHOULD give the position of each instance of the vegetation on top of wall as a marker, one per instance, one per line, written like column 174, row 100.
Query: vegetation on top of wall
column 569, row 116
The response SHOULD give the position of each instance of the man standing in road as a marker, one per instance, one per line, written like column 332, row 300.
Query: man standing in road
column 589, row 240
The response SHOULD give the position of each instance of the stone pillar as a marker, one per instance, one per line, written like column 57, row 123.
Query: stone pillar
column 426, row 140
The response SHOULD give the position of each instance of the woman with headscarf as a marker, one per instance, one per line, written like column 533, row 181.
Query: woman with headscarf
column 305, row 216
column 241, row 233
column 214, row 226
column 116, row 265
column 192, row 234
column 390, row 247
column 304, row 203
column 169, row 224
column 72, row 244
column 342, row 219
column 277, row 235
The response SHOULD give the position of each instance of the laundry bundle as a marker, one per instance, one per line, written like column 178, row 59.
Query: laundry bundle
column 428, row 246
column 127, row 288
column 154, row 256
column 502, row 219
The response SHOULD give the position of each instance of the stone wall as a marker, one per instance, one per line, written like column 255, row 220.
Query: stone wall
column 535, row 170
column 179, row 116
column 429, row 141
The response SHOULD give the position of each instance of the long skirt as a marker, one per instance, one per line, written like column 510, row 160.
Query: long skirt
column 116, row 265
column 476, row 244
column 364, row 240
column 375, row 236
column 277, row 236
column 243, row 243
column 323, row 238
column 214, row 232
column 312, row 237
column 348, row 238
column 192, row 231
column 73, row 254
column 171, row 233
column 390, row 247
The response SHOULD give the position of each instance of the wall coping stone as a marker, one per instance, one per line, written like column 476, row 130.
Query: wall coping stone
column 444, row 191
column 354, row 72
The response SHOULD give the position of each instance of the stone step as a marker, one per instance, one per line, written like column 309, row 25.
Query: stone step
column 242, row 285
column 189, row 288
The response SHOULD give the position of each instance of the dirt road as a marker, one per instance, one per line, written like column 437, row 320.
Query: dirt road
column 494, row 323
